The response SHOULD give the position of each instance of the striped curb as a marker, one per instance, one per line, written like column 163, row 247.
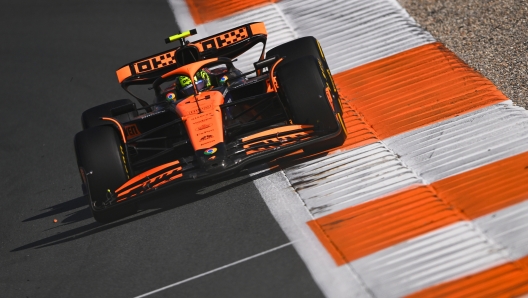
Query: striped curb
column 427, row 197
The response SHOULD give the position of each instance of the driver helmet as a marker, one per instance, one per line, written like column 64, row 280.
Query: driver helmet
column 201, row 78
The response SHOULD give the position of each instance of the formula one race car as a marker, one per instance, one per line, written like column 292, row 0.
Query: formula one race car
column 207, row 118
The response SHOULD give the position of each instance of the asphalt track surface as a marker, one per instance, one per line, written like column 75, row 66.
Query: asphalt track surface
column 58, row 59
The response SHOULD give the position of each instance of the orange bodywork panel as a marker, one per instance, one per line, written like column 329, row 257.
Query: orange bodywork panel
column 277, row 130
column 284, row 134
column 148, row 174
column 123, row 73
column 223, row 40
column 202, row 117
column 189, row 69
column 118, row 126
column 258, row 28
column 152, row 63
column 230, row 37
column 264, row 145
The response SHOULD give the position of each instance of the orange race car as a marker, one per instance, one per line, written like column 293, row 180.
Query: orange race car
column 207, row 117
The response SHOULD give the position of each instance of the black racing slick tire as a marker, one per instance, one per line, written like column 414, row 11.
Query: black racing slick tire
column 308, row 46
column 102, row 163
column 303, row 87
column 92, row 116
column 297, row 48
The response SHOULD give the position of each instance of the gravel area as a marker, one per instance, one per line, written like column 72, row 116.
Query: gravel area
column 489, row 35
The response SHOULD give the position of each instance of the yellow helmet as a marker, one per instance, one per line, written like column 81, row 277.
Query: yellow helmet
column 184, row 81
column 202, row 74
column 201, row 79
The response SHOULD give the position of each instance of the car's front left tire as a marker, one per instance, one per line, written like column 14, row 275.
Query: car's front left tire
column 102, row 162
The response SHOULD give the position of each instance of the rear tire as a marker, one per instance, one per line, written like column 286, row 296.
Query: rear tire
column 91, row 117
column 101, row 162
column 303, row 87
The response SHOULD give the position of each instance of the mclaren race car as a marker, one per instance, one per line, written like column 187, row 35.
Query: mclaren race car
column 205, row 117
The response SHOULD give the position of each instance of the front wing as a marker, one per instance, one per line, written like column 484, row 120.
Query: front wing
column 228, row 158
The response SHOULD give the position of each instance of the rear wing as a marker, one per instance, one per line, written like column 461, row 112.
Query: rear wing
column 230, row 44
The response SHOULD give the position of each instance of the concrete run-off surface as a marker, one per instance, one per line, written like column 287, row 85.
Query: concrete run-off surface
column 489, row 35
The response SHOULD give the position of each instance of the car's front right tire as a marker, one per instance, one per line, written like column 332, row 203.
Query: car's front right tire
column 303, row 87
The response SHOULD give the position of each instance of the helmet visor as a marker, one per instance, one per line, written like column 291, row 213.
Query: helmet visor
column 189, row 90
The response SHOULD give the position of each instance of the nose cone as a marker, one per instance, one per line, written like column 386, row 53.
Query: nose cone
column 212, row 159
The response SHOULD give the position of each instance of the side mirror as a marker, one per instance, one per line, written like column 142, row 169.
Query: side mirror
column 266, row 62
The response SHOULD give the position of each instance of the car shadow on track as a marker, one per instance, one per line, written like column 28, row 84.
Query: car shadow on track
column 161, row 201
column 62, row 208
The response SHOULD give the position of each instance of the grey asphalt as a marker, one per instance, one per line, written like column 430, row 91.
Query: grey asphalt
column 59, row 58
column 491, row 36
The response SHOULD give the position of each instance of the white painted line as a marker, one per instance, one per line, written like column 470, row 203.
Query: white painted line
column 215, row 270
column 291, row 214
